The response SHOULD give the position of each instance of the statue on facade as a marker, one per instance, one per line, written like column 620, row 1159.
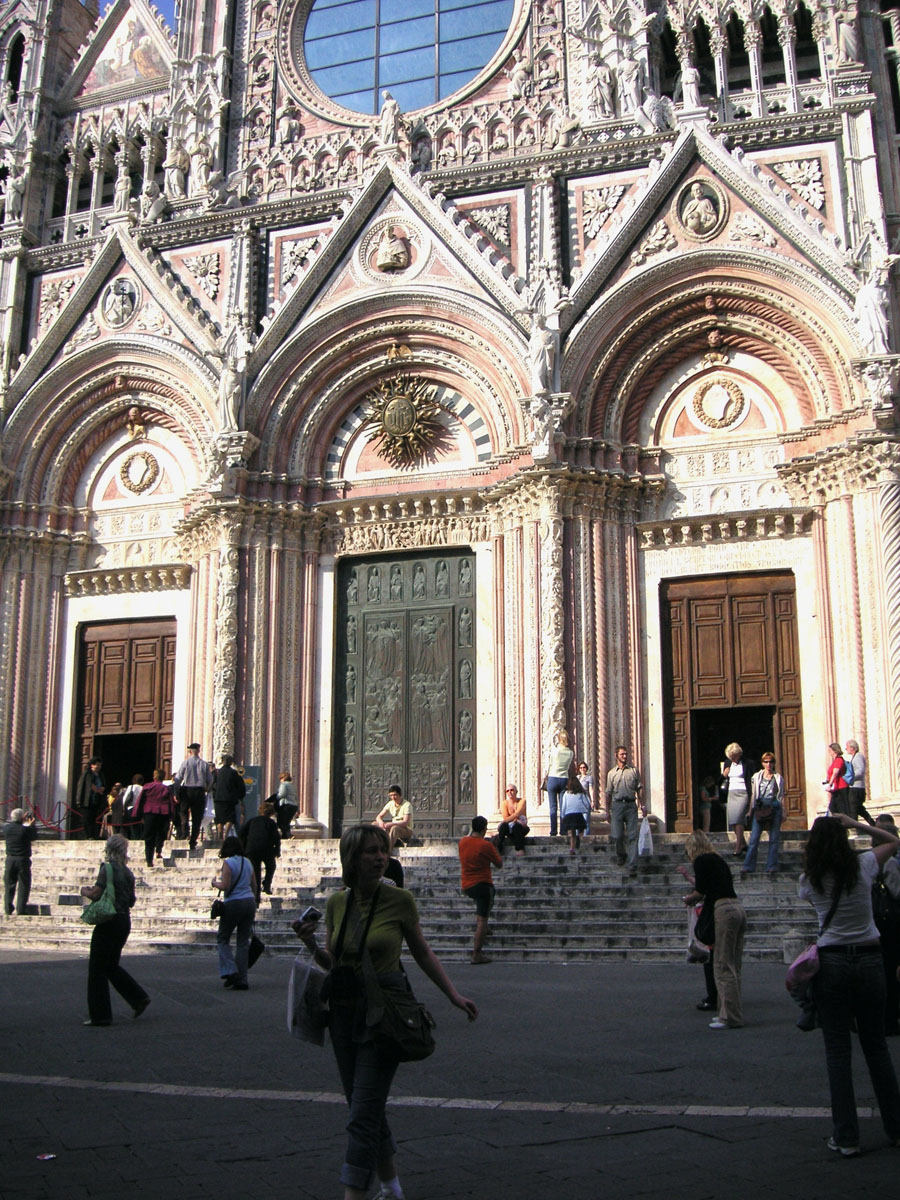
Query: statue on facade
column 699, row 214
column 541, row 355
column 134, row 424
column 520, row 76
column 392, row 253
column 389, row 124
column 175, row 170
column 847, row 37
column 602, row 88
column 871, row 307
column 230, row 388
column 690, row 86
column 122, row 190
column 153, row 203
column 221, row 193
column 630, row 74
column 287, row 124
column 201, row 161
column 14, row 194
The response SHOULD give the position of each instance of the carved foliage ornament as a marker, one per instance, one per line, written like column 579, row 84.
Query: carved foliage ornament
column 139, row 472
column 718, row 403
column 403, row 417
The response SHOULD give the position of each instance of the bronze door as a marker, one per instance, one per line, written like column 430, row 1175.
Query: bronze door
column 731, row 663
column 405, row 689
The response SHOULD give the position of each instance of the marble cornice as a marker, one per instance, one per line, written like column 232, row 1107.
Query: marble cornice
column 785, row 129
column 756, row 525
column 118, row 580
column 862, row 462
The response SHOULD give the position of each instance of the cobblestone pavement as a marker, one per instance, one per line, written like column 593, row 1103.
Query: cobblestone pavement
column 576, row 1083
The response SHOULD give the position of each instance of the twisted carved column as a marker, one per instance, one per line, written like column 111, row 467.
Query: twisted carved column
column 553, row 650
column 889, row 513
column 228, row 575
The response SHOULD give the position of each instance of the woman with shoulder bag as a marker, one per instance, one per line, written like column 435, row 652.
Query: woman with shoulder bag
column 714, row 886
column 109, row 938
column 766, row 812
column 237, row 883
column 365, row 927
column 849, row 984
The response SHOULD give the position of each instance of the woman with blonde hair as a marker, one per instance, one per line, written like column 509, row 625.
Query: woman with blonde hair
column 561, row 757
column 108, row 939
column 721, row 909
column 734, row 789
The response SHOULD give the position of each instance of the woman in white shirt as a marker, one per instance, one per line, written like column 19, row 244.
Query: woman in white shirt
column 849, row 985
column 734, row 788
column 557, row 774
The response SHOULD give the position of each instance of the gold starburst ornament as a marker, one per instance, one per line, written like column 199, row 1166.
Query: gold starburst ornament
column 404, row 418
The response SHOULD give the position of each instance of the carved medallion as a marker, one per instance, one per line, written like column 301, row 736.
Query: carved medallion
column 719, row 403
column 700, row 209
column 139, row 472
column 119, row 303
column 403, row 417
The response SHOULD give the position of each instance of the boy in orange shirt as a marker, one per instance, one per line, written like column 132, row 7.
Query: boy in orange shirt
column 476, row 857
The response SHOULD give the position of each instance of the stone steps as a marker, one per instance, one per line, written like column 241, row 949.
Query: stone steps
column 551, row 906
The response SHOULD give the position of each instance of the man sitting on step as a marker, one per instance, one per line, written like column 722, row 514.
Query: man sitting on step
column 476, row 857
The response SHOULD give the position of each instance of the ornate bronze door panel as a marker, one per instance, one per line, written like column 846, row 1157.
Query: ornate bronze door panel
column 405, row 688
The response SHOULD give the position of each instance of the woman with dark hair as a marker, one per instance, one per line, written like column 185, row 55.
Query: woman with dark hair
column 574, row 809
column 157, row 806
column 376, row 919
column 712, row 883
column 109, row 938
column 836, row 783
column 262, row 845
column 286, row 802
column 237, row 883
column 849, row 985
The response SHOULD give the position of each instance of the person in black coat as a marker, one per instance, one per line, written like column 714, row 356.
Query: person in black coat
column 229, row 790
column 90, row 792
column 262, row 845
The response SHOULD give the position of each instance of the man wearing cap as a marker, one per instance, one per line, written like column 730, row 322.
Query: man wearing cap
column 192, row 782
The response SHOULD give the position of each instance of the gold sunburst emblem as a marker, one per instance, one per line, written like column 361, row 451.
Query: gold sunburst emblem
column 403, row 417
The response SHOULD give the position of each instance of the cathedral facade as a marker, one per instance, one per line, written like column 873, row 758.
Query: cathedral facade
column 386, row 388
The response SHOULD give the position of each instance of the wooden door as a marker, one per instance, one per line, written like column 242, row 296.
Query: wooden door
column 730, row 642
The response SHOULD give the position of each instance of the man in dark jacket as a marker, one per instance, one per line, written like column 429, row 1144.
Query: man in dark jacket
column 261, row 840
column 230, row 790
column 89, row 800
column 18, row 832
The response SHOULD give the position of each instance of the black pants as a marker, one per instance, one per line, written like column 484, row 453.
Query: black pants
column 103, row 969
column 284, row 815
column 156, row 826
column 515, row 831
column 858, row 811
column 191, row 807
column 257, row 861
column 16, row 872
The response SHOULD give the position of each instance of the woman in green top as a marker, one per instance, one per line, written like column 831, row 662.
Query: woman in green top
column 382, row 916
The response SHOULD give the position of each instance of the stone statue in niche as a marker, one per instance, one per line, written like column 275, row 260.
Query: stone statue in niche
column 230, row 388
column 630, row 72
column 352, row 589
column 392, row 253
column 396, row 583
column 441, row 580
column 175, row 170
column 374, row 589
column 351, row 635
column 847, row 37
column 201, row 161
column 520, row 76
column 351, row 683
column 700, row 214
column 418, row 582
column 602, row 88
column 153, row 203
column 120, row 302
column 541, row 355
column 350, row 735
column 14, row 194
column 349, row 787
column 122, row 191
column 465, row 578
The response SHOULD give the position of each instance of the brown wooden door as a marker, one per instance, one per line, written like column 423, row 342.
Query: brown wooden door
column 730, row 643
column 126, row 690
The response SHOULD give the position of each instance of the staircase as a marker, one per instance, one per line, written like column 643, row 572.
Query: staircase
column 550, row 907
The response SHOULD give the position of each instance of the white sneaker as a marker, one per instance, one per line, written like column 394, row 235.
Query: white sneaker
column 718, row 1024
column 844, row 1151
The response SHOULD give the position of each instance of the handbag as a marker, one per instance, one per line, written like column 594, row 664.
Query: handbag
column 805, row 966
column 705, row 929
column 98, row 912
column 218, row 905
column 645, row 839
column 257, row 945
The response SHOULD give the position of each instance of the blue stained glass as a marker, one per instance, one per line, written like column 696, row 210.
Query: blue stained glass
column 359, row 15
column 471, row 52
column 406, row 35
column 400, row 45
column 354, row 46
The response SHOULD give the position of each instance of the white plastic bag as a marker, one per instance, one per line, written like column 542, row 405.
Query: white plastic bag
column 306, row 1013
column 645, row 839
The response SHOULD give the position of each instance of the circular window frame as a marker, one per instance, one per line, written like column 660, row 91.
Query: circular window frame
column 299, row 83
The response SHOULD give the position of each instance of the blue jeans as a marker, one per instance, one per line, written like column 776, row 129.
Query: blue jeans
column 366, row 1075
column 749, row 863
column 850, row 986
column 238, row 915
column 556, row 785
column 623, row 829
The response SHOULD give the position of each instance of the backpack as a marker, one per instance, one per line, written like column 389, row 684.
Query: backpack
column 885, row 909
column 848, row 773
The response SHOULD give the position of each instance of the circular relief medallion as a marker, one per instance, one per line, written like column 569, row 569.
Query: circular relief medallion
column 119, row 302
column 700, row 209
column 399, row 416
column 719, row 403
column 392, row 249
column 139, row 472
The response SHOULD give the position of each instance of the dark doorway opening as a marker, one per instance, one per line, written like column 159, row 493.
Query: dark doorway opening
column 126, row 754
column 712, row 729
